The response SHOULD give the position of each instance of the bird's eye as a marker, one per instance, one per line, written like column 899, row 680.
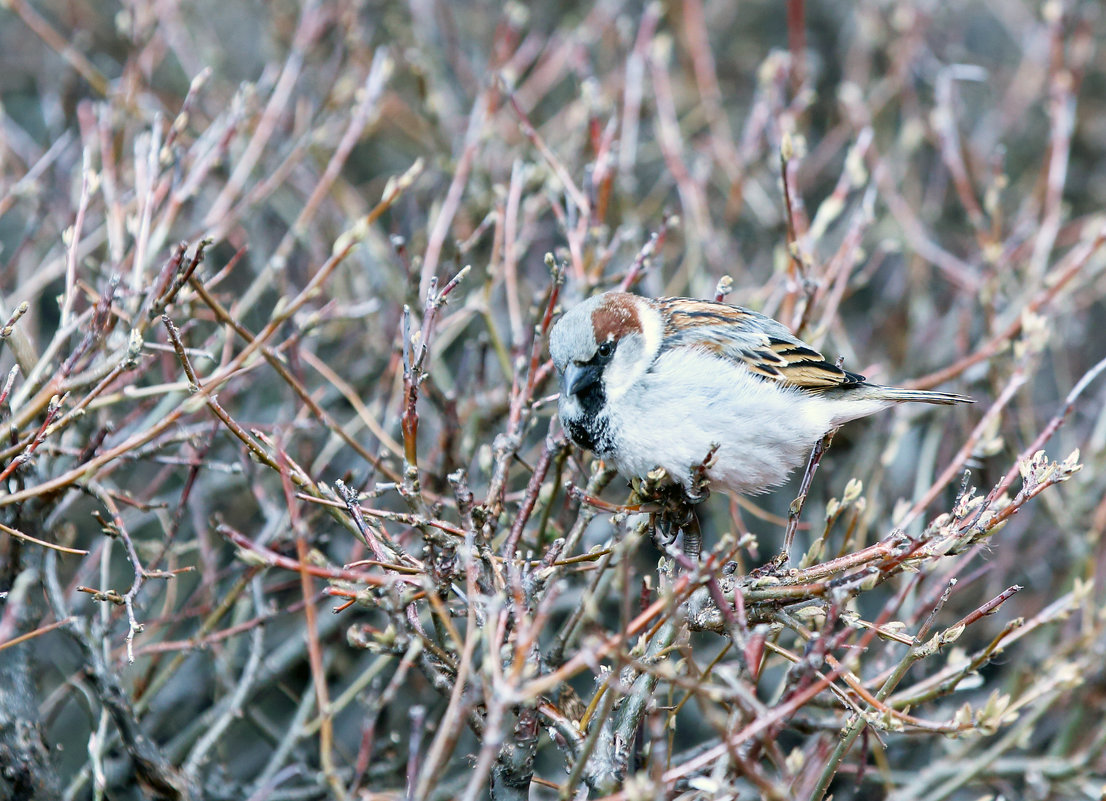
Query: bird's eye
column 605, row 350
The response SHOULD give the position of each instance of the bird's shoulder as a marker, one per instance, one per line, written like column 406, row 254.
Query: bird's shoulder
column 763, row 346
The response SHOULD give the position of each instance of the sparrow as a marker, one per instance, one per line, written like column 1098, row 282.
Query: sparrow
column 667, row 382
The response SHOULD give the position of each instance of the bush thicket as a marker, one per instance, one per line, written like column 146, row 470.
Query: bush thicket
column 286, row 513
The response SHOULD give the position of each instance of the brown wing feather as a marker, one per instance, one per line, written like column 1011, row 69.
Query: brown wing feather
column 763, row 345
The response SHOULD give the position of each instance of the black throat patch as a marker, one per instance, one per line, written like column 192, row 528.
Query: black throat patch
column 590, row 430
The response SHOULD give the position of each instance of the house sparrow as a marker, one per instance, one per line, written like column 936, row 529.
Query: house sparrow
column 649, row 383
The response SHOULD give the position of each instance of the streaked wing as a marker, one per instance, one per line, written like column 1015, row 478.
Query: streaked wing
column 763, row 345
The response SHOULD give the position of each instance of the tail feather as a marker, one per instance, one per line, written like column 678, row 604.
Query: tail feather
column 921, row 396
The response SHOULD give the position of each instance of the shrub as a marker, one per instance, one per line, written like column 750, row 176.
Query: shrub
column 286, row 510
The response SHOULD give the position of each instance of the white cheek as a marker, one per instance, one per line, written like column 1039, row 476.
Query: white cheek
column 618, row 377
column 626, row 369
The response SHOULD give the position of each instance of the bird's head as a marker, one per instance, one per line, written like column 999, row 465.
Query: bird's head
column 601, row 348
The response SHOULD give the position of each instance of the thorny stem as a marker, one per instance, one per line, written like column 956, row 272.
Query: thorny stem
column 415, row 352
column 796, row 508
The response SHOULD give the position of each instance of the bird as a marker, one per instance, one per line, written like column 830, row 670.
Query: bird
column 668, row 382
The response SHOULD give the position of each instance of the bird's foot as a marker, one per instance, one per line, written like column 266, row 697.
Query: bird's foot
column 673, row 508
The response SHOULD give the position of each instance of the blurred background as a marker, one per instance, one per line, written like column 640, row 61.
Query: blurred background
column 916, row 187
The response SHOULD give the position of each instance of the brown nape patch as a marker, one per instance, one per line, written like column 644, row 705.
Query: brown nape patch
column 615, row 317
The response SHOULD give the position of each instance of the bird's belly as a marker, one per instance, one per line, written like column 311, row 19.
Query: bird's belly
column 754, row 468
column 746, row 461
column 762, row 432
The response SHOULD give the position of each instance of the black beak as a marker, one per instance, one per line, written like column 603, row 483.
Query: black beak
column 579, row 377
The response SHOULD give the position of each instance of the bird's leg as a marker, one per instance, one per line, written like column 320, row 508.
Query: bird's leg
column 667, row 504
column 647, row 496
column 697, row 491
column 676, row 501
column 693, row 536
column 677, row 516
